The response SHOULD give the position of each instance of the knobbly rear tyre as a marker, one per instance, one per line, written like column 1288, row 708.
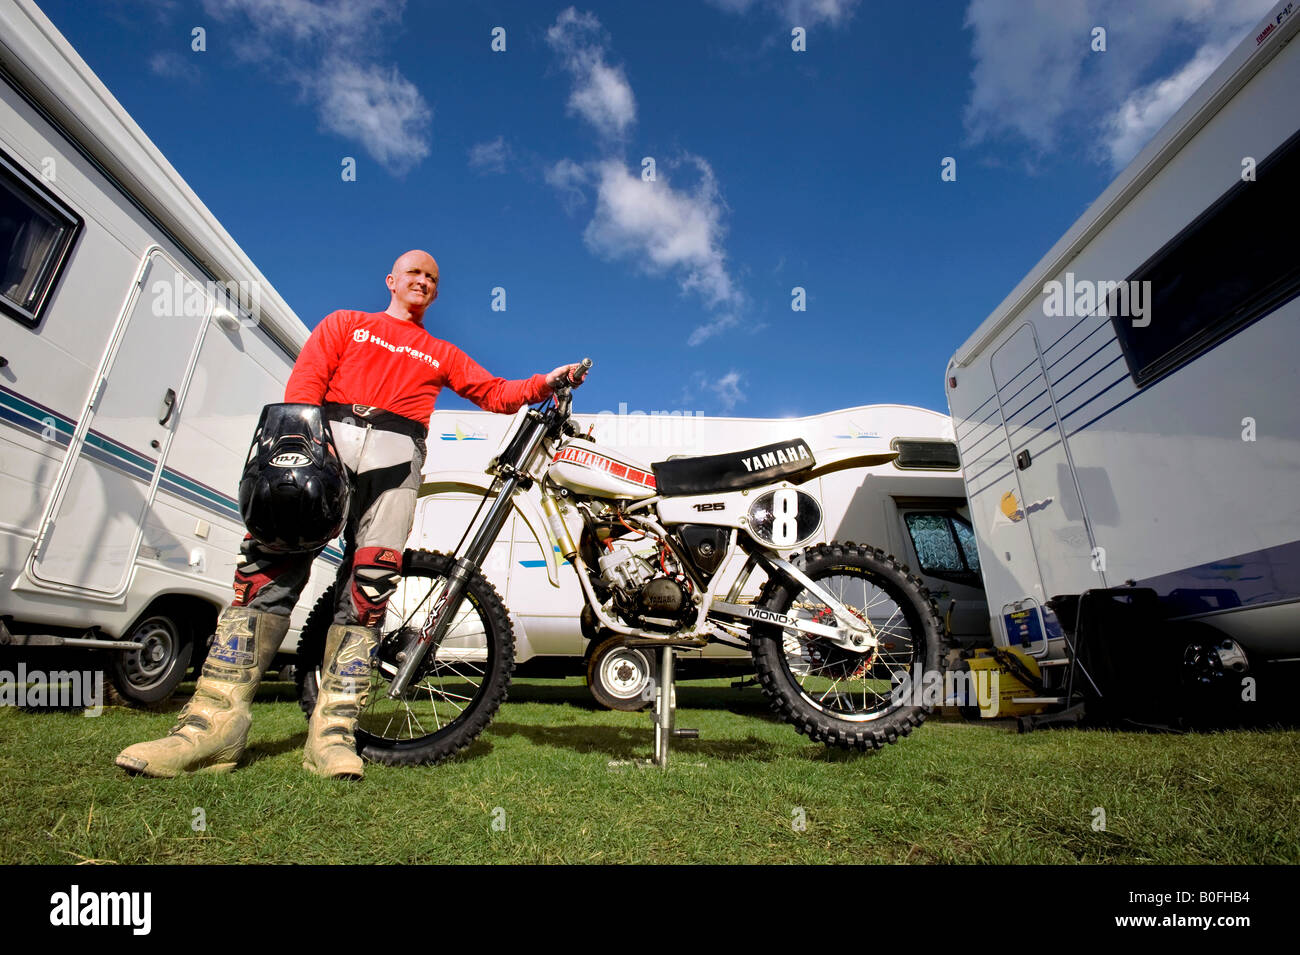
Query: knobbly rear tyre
column 870, row 729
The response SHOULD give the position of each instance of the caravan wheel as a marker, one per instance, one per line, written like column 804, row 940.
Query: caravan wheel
column 152, row 673
column 621, row 677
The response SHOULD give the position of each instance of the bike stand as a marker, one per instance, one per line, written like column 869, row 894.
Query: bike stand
column 666, row 708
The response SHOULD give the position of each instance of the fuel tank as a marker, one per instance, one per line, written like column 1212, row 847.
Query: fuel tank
column 585, row 467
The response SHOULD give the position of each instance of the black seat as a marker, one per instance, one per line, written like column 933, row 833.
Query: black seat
column 733, row 471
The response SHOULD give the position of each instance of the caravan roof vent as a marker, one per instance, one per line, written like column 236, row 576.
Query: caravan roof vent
column 925, row 454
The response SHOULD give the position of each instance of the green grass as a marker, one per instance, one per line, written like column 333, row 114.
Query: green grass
column 952, row 792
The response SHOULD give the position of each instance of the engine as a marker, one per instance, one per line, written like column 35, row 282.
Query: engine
column 643, row 595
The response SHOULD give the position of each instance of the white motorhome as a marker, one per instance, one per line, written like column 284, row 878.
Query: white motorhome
column 913, row 507
column 1129, row 417
column 138, row 344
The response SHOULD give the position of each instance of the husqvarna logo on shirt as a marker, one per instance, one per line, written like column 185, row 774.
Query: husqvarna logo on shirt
column 361, row 336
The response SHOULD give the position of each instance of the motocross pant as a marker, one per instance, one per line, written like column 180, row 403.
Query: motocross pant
column 384, row 456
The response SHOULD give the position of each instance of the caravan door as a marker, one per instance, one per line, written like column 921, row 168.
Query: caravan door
column 91, row 531
column 1040, row 500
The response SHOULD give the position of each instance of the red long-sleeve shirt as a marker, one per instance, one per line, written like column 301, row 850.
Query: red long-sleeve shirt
column 371, row 358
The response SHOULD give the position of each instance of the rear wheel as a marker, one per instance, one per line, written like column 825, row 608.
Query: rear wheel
column 458, row 690
column 854, row 700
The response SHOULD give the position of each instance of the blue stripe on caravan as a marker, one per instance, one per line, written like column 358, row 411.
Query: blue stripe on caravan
column 1090, row 377
column 1080, row 364
column 1001, row 477
column 542, row 563
column 1008, row 417
column 1266, row 576
column 1067, row 332
column 974, row 413
column 991, row 466
column 1073, row 347
column 1079, row 406
column 120, row 450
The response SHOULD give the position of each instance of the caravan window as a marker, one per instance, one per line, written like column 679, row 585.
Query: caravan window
column 1232, row 266
column 945, row 546
column 36, row 232
column 925, row 454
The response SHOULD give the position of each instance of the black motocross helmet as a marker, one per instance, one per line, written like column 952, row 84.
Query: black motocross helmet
column 295, row 492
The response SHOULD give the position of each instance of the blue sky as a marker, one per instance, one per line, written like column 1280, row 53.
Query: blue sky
column 774, row 168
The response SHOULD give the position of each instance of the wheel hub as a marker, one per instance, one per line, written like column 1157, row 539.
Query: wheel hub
column 625, row 675
column 1210, row 664
column 151, row 659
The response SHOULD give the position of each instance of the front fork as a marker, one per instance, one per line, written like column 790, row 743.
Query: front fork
column 430, row 636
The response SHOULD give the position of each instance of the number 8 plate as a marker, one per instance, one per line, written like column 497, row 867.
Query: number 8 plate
column 784, row 517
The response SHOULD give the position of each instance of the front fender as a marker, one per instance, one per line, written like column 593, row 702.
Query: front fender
column 527, row 502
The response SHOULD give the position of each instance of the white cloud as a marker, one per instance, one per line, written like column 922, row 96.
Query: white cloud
column 380, row 108
column 657, row 228
column 173, row 66
column 323, row 46
column 1147, row 109
column 567, row 178
column 490, row 156
column 727, row 390
column 662, row 229
column 804, row 13
column 716, row 326
column 1037, row 79
column 601, row 93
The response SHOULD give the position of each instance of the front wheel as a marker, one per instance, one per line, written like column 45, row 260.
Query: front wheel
column 457, row 692
column 845, row 698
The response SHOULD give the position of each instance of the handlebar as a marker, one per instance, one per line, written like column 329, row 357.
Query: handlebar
column 583, row 367
column 564, row 391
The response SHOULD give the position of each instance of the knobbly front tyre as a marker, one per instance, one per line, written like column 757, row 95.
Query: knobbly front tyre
column 861, row 701
column 455, row 695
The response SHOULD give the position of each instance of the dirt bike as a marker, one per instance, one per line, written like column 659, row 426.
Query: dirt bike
column 841, row 634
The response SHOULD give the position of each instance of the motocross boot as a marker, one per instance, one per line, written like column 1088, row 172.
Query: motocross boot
column 210, row 734
column 331, row 749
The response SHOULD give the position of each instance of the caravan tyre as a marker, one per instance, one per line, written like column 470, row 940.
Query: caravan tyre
column 151, row 674
column 621, row 677
column 860, row 701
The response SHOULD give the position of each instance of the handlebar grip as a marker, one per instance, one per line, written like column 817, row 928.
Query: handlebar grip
column 584, row 367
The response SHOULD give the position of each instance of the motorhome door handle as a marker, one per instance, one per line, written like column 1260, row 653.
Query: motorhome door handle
column 169, row 402
column 1023, row 460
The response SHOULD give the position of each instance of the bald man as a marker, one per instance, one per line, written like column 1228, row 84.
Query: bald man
column 376, row 376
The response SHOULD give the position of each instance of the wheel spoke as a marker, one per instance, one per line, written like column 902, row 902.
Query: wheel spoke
column 843, row 682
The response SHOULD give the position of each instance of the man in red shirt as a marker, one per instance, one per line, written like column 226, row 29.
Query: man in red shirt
column 376, row 376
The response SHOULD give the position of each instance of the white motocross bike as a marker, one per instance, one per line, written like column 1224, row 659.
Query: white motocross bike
column 841, row 635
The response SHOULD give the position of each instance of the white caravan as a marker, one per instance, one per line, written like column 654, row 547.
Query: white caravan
column 1129, row 417
column 137, row 346
column 914, row 507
